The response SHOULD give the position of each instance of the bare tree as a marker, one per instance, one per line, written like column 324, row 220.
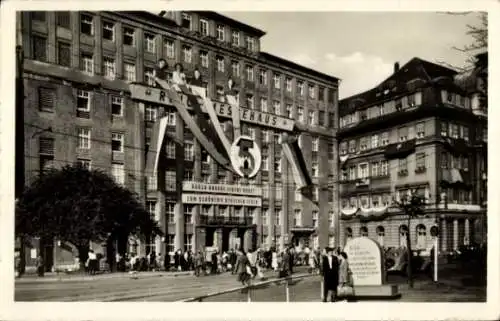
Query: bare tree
column 479, row 40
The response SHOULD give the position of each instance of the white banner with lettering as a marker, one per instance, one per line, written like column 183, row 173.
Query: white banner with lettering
column 213, row 199
column 190, row 186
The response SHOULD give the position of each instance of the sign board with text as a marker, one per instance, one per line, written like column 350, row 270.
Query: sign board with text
column 365, row 259
column 159, row 96
column 190, row 186
column 212, row 199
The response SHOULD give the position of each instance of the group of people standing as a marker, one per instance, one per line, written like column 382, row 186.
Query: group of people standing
column 336, row 274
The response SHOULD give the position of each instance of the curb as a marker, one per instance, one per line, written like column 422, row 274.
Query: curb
column 66, row 278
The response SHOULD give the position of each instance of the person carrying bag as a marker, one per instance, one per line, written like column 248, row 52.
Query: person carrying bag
column 345, row 288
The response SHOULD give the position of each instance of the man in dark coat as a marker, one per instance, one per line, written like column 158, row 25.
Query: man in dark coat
column 330, row 273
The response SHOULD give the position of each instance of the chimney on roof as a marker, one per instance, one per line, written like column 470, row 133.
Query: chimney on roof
column 396, row 67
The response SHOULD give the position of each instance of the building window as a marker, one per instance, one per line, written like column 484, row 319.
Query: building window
column 188, row 175
column 39, row 48
column 288, row 110
column 278, row 192
column 108, row 30
column 315, row 144
column 249, row 101
column 315, row 218
column 444, row 129
column 220, row 33
column 363, row 143
column 374, row 141
column 251, row 132
column 363, row 231
column 204, row 27
column 265, row 162
column 276, row 107
column 352, row 173
column 277, row 164
column 315, row 194
column 421, row 237
column 150, row 113
column 187, row 54
column 220, row 63
column 265, row 135
column 300, row 114
column 170, row 178
column 169, row 47
column 265, row 216
column 403, row 134
column 188, row 242
column 297, row 217
column 87, row 24
column 152, row 183
column 262, row 77
column 83, row 100
column 128, row 36
column 64, row 54
column 288, row 84
column 116, row 106
column 186, row 21
column 129, row 72
column 352, row 146
column 310, row 117
column 300, row 88
column 321, row 118
column 149, row 43
column 331, row 119
column 235, row 38
column 84, row 163
column 420, row 130
column 151, row 208
column 385, row 139
column 83, row 138
column 63, row 19
column 149, row 76
column 263, row 104
column 118, row 173
column 170, row 149
column 384, row 168
column 298, row 196
column 465, row 133
column 117, row 142
column 188, row 151
column 343, row 148
column 331, row 219
column 444, row 160
column 277, row 81
column 204, row 59
column 87, row 63
column 249, row 72
column 109, row 68
column 420, row 165
column 364, row 171
column 311, row 91
column 277, row 216
column 235, row 68
column 250, row 43
column 375, row 169
column 315, row 170
column 454, row 131
column 46, row 99
column 380, row 235
column 402, row 165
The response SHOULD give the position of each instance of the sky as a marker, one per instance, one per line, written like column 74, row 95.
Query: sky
column 361, row 48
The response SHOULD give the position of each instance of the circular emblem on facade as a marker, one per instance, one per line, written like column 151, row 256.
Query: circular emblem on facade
column 245, row 156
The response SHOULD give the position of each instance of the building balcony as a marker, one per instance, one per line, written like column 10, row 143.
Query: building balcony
column 225, row 220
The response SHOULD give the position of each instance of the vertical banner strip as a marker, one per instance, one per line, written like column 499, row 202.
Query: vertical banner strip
column 193, row 127
column 157, row 141
column 236, row 115
column 209, row 107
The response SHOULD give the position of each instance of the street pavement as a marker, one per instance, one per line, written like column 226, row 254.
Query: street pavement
column 168, row 287
column 148, row 286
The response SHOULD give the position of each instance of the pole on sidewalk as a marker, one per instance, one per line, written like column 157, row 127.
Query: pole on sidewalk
column 19, row 148
column 436, row 244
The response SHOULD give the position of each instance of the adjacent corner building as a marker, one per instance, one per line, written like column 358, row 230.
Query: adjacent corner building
column 423, row 129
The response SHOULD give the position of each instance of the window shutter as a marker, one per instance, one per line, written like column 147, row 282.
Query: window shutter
column 46, row 98
column 46, row 146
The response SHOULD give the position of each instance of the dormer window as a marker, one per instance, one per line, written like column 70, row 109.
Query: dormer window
column 236, row 38
column 250, row 43
column 220, row 32
column 186, row 21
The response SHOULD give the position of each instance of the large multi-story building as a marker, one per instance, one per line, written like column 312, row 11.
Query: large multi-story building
column 78, row 71
column 422, row 130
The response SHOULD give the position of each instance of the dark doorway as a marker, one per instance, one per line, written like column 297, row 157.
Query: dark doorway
column 225, row 240
column 209, row 236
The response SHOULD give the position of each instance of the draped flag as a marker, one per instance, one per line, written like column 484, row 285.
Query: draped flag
column 297, row 163
column 157, row 143
column 191, row 124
